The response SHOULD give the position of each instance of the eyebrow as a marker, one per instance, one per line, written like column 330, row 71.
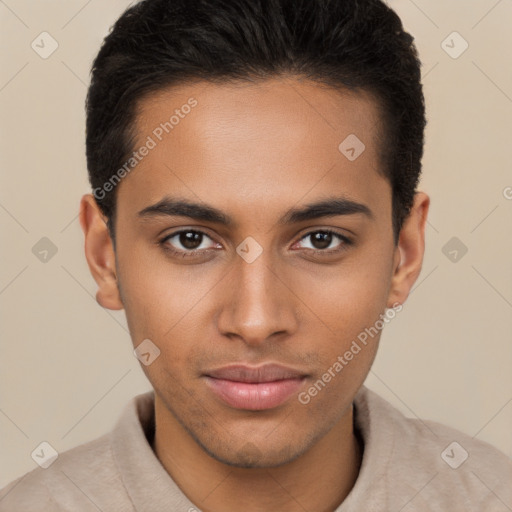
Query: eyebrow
column 325, row 208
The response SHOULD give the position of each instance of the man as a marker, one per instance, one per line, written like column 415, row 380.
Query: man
column 254, row 211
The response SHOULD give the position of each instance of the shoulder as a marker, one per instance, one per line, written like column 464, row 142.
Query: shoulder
column 91, row 476
column 463, row 469
column 72, row 481
column 435, row 464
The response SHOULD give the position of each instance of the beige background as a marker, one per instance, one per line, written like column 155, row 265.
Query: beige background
column 66, row 365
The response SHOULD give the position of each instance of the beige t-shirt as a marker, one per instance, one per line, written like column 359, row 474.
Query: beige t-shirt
column 408, row 465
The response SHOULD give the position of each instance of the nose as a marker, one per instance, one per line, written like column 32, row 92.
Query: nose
column 257, row 302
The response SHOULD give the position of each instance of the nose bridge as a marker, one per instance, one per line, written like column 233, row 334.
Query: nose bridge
column 259, row 303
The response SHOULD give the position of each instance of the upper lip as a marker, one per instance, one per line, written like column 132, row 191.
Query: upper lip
column 255, row 374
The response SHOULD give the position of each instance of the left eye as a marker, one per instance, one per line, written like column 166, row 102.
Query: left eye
column 322, row 240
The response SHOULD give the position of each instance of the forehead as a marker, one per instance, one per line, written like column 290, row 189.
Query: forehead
column 263, row 143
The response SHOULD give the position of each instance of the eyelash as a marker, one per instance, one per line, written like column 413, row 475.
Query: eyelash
column 194, row 252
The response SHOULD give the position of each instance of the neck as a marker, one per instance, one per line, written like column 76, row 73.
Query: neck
column 320, row 479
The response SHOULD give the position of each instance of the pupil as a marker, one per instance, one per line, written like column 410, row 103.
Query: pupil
column 190, row 239
column 321, row 240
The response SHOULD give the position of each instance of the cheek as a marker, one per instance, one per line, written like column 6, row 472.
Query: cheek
column 342, row 311
column 348, row 298
column 159, row 296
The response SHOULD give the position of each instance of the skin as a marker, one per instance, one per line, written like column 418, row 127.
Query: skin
column 254, row 151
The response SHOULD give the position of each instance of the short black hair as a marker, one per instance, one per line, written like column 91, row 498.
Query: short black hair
column 356, row 45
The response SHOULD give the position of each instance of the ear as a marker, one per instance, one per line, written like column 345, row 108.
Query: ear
column 99, row 252
column 409, row 253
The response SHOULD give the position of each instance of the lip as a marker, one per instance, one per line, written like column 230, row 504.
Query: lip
column 254, row 388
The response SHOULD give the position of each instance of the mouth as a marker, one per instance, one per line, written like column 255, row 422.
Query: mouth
column 254, row 388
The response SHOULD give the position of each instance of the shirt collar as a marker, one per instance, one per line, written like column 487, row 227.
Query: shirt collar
column 147, row 482
column 151, row 488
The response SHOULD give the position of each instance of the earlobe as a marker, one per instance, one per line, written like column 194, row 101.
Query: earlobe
column 99, row 252
column 408, row 258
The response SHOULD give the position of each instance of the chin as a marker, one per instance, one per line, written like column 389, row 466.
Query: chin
column 251, row 456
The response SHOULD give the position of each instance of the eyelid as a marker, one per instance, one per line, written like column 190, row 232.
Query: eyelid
column 345, row 242
column 201, row 231
column 344, row 239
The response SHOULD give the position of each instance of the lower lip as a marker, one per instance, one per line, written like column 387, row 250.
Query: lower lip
column 254, row 396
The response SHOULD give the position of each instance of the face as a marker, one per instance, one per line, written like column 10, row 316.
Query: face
column 250, row 293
